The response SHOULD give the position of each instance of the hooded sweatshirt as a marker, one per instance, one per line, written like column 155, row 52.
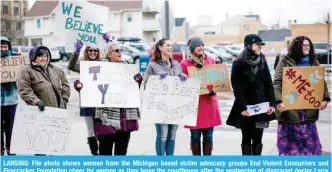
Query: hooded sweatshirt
column 9, row 95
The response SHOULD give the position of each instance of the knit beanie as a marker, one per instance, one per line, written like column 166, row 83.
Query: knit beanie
column 195, row 42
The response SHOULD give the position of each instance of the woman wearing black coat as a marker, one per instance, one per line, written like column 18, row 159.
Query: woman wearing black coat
column 252, row 85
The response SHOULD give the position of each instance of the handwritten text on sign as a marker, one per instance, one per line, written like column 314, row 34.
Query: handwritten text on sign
column 303, row 87
column 37, row 132
column 214, row 77
column 109, row 84
column 10, row 66
column 81, row 21
column 170, row 101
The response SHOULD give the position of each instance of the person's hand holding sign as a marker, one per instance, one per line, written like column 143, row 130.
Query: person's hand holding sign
column 281, row 107
column 107, row 37
column 323, row 105
column 78, row 46
column 270, row 111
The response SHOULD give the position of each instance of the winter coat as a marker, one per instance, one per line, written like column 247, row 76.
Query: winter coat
column 250, row 89
column 48, row 84
column 9, row 94
column 208, row 109
column 292, row 116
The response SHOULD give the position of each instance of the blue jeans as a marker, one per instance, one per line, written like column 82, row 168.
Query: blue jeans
column 165, row 142
column 206, row 132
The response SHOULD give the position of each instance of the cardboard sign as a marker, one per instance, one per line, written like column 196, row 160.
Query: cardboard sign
column 303, row 87
column 214, row 77
column 37, row 132
column 107, row 84
column 10, row 66
column 171, row 101
column 81, row 21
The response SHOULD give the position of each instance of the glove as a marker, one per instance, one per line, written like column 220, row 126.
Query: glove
column 41, row 106
column 183, row 76
column 107, row 37
column 163, row 75
column 198, row 65
column 212, row 93
column 138, row 78
column 78, row 46
column 76, row 85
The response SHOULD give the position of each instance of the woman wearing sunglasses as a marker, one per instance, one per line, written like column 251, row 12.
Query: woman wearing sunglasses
column 108, row 133
column 90, row 54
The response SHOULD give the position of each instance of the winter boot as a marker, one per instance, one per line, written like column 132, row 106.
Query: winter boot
column 207, row 148
column 246, row 149
column 196, row 148
column 257, row 149
column 93, row 144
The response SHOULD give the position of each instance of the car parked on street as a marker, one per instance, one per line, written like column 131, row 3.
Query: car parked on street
column 21, row 50
column 322, row 50
column 133, row 52
column 55, row 54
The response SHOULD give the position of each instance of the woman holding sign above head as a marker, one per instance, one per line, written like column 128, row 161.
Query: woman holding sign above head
column 162, row 64
column 90, row 54
column 297, row 130
column 208, row 109
column 113, row 125
column 254, row 95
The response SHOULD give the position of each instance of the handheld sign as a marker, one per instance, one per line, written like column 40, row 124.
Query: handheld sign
column 214, row 77
column 81, row 21
column 10, row 66
column 303, row 87
column 109, row 84
column 170, row 101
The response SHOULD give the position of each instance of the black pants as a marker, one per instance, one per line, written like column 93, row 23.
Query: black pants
column 251, row 134
column 7, row 122
column 120, row 140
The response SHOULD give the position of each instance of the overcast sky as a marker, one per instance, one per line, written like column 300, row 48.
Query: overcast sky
column 304, row 11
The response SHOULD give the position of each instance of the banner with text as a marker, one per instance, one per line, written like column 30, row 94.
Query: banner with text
column 10, row 66
column 37, row 132
column 171, row 101
column 303, row 87
column 107, row 84
column 81, row 21
column 214, row 77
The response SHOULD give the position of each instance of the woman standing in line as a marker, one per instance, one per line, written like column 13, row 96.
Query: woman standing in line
column 208, row 109
column 113, row 126
column 90, row 54
column 297, row 130
column 163, row 64
column 252, row 85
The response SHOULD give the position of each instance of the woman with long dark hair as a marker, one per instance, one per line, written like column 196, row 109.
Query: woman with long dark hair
column 252, row 85
column 162, row 64
column 297, row 130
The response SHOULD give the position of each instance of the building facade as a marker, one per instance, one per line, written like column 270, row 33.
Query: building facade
column 12, row 23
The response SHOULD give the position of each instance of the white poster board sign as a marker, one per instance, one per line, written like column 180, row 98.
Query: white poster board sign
column 258, row 108
column 107, row 84
column 81, row 21
column 171, row 101
column 36, row 132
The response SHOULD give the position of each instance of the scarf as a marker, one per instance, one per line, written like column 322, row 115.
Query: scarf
column 199, row 62
column 304, row 61
column 250, row 59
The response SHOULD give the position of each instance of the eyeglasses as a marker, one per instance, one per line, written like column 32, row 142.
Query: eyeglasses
column 117, row 50
column 306, row 45
column 93, row 50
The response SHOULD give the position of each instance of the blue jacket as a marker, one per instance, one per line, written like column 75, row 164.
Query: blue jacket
column 9, row 94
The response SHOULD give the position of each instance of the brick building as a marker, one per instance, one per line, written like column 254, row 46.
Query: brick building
column 316, row 32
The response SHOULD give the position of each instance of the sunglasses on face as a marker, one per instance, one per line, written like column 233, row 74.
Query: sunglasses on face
column 93, row 50
column 117, row 50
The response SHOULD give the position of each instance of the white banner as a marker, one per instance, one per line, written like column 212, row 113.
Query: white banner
column 171, row 101
column 81, row 21
column 107, row 84
column 37, row 132
column 258, row 109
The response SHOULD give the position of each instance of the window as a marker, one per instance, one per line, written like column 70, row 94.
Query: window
column 38, row 23
column 8, row 26
column 246, row 27
column 209, row 33
column 4, row 9
column 129, row 18
column 36, row 41
column 16, row 11
column 18, row 27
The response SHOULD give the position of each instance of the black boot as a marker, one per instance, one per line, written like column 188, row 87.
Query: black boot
column 207, row 148
column 196, row 148
column 246, row 149
column 93, row 144
column 257, row 149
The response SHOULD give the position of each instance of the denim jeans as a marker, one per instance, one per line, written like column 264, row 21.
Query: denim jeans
column 165, row 142
column 206, row 132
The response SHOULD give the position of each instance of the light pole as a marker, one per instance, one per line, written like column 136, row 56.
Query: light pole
column 328, row 43
column 167, row 19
